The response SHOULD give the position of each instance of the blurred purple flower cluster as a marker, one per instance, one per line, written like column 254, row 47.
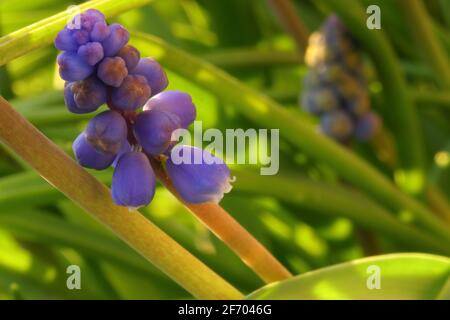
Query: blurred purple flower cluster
column 335, row 87
column 100, row 67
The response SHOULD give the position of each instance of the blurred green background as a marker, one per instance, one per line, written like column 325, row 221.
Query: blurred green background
column 41, row 232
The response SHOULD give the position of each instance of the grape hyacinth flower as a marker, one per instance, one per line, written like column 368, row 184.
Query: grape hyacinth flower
column 101, row 68
column 134, row 181
column 211, row 176
column 335, row 88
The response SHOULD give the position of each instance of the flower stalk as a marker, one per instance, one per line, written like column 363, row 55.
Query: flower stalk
column 292, row 23
column 77, row 184
column 227, row 229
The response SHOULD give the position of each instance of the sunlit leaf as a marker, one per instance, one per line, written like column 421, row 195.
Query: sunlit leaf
column 401, row 276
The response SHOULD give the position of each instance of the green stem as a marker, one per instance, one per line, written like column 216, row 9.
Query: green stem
column 435, row 98
column 94, row 197
column 411, row 176
column 251, row 57
column 422, row 28
column 291, row 22
column 269, row 114
column 227, row 229
column 337, row 201
column 445, row 10
column 44, row 32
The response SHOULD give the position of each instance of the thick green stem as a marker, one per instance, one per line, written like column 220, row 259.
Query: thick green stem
column 82, row 188
column 422, row 28
column 267, row 113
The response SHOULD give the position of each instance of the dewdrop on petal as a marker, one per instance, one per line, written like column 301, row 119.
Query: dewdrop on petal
column 198, row 183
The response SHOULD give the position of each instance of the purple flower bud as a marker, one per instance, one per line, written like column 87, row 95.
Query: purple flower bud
column 153, row 72
column 65, row 42
column 337, row 124
column 153, row 130
column 69, row 99
column 117, row 39
column 207, row 181
column 359, row 104
column 72, row 67
column 112, row 71
column 176, row 102
column 367, row 126
column 80, row 36
column 107, row 132
column 130, row 55
column 90, row 17
column 132, row 94
column 319, row 100
column 133, row 182
column 88, row 157
column 91, row 52
column 88, row 95
column 100, row 31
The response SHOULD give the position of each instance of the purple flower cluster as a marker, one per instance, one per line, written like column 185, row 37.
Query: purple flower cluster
column 335, row 88
column 100, row 67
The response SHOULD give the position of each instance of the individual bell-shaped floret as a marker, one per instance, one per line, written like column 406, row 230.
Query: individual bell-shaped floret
column 84, row 96
column 64, row 41
column 100, row 31
column 88, row 157
column 133, row 182
column 337, row 124
column 319, row 100
column 176, row 102
column 89, row 18
column 112, row 71
column 153, row 130
column 91, row 52
column 367, row 126
column 72, row 67
column 132, row 94
column 116, row 40
column 107, row 132
column 130, row 55
column 153, row 72
column 201, row 181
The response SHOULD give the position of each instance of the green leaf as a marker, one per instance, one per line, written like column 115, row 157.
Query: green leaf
column 269, row 114
column 402, row 276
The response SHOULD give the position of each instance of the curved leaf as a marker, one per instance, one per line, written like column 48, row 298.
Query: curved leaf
column 402, row 276
column 269, row 114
